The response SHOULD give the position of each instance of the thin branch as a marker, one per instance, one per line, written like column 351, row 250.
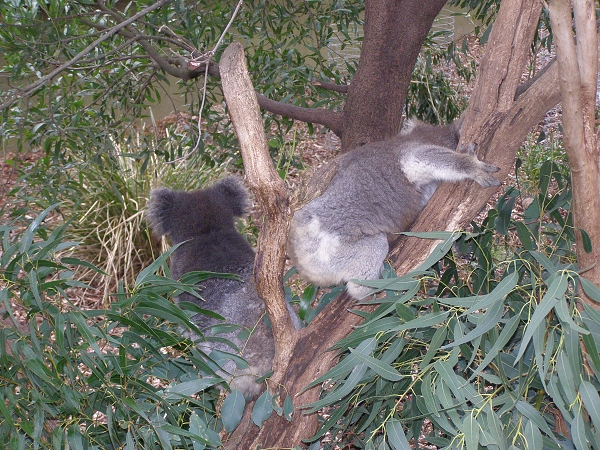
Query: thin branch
column 341, row 88
column 33, row 87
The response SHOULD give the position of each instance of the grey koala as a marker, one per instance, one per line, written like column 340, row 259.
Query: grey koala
column 377, row 189
column 204, row 221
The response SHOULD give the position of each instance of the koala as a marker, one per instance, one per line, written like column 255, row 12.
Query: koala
column 377, row 190
column 204, row 221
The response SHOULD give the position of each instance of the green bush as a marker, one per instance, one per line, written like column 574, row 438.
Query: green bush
column 121, row 377
column 485, row 345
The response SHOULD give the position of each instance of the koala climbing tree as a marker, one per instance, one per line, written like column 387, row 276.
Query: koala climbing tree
column 378, row 189
column 498, row 119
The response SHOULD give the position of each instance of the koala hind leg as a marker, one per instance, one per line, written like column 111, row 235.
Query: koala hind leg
column 364, row 261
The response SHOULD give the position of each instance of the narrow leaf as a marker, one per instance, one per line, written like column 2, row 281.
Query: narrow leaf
column 232, row 410
column 384, row 370
column 555, row 291
column 591, row 401
column 470, row 429
column 395, row 435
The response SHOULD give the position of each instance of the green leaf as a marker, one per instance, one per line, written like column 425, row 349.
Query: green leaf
column 566, row 375
column 556, row 290
column 384, row 370
column 263, row 408
column 31, row 230
column 592, row 353
column 436, row 342
column 346, row 365
column 439, row 252
column 591, row 401
column 288, row 408
column 425, row 321
column 562, row 310
column 470, row 429
column 544, row 261
column 505, row 335
column 189, row 388
column 198, row 427
column 395, row 435
column 339, row 393
column 232, row 410
column 525, row 236
column 533, row 437
column 491, row 318
column 578, row 431
column 503, row 288
column 586, row 240
column 495, row 428
column 532, row 414
column 590, row 289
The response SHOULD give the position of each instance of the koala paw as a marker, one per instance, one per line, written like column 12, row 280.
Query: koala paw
column 490, row 168
column 486, row 180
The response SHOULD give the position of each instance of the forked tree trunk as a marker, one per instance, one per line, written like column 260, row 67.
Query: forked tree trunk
column 495, row 120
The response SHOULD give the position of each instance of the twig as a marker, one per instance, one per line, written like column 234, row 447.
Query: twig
column 29, row 90
column 205, row 58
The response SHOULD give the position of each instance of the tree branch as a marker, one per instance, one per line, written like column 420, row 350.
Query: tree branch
column 33, row 87
column 269, row 190
column 341, row 88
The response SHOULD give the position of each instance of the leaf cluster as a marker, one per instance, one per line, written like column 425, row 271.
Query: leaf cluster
column 121, row 377
column 485, row 345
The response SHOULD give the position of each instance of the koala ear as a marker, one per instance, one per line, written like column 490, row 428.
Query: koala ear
column 160, row 210
column 458, row 123
column 236, row 195
column 409, row 125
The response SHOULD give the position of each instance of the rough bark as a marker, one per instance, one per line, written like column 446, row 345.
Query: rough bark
column 578, row 69
column 394, row 32
column 268, row 189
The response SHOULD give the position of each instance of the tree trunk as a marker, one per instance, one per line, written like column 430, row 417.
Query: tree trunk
column 578, row 68
column 394, row 33
column 495, row 120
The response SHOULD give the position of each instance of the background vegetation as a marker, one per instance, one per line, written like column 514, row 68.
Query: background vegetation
column 483, row 346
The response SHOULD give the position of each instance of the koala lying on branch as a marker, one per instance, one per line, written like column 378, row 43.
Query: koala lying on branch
column 204, row 221
column 377, row 189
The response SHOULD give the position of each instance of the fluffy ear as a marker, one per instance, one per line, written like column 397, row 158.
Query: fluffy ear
column 410, row 124
column 160, row 210
column 235, row 195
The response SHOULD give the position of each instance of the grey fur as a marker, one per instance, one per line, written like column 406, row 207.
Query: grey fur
column 205, row 219
column 378, row 189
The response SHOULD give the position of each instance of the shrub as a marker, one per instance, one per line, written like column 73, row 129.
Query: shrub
column 122, row 377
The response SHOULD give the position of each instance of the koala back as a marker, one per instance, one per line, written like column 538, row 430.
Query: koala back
column 203, row 221
column 377, row 190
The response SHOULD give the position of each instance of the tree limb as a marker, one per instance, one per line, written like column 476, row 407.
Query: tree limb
column 33, row 87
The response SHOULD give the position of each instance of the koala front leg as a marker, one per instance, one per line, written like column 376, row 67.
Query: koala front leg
column 435, row 164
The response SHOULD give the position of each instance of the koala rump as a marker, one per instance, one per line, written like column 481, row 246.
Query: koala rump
column 204, row 221
column 377, row 190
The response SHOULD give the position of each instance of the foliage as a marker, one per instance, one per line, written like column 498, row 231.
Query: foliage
column 100, row 96
column 122, row 377
column 532, row 156
column 486, row 348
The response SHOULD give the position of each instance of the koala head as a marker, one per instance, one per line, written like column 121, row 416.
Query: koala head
column 169, row 212
column 441, row 135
